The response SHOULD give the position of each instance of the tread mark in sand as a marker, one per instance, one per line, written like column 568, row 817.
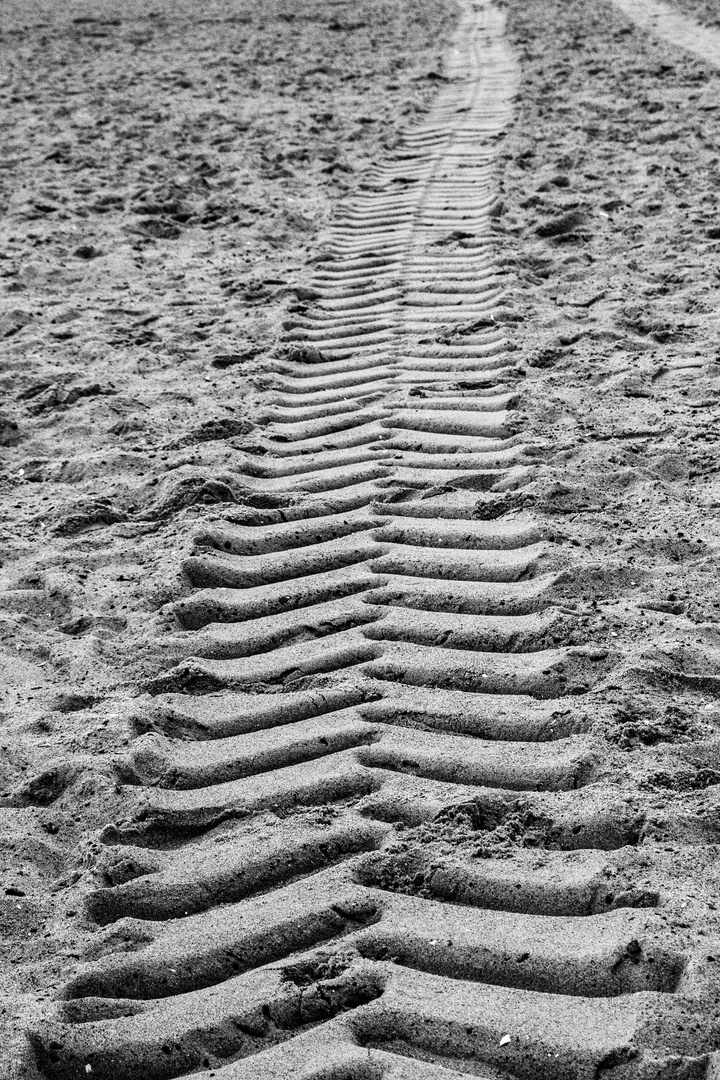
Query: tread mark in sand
column 374, row 654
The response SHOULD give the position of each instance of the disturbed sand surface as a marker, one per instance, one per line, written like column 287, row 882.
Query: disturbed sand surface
column 164, row 180
column 169, row 197
column 704, row 11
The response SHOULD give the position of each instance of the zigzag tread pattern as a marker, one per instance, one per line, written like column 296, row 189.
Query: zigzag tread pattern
column 368, row 662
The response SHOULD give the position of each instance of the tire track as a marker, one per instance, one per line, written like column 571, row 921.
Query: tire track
column 372, row 693
column 672, row 26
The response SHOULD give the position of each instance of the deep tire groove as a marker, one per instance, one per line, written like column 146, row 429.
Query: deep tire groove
column 384, row 654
